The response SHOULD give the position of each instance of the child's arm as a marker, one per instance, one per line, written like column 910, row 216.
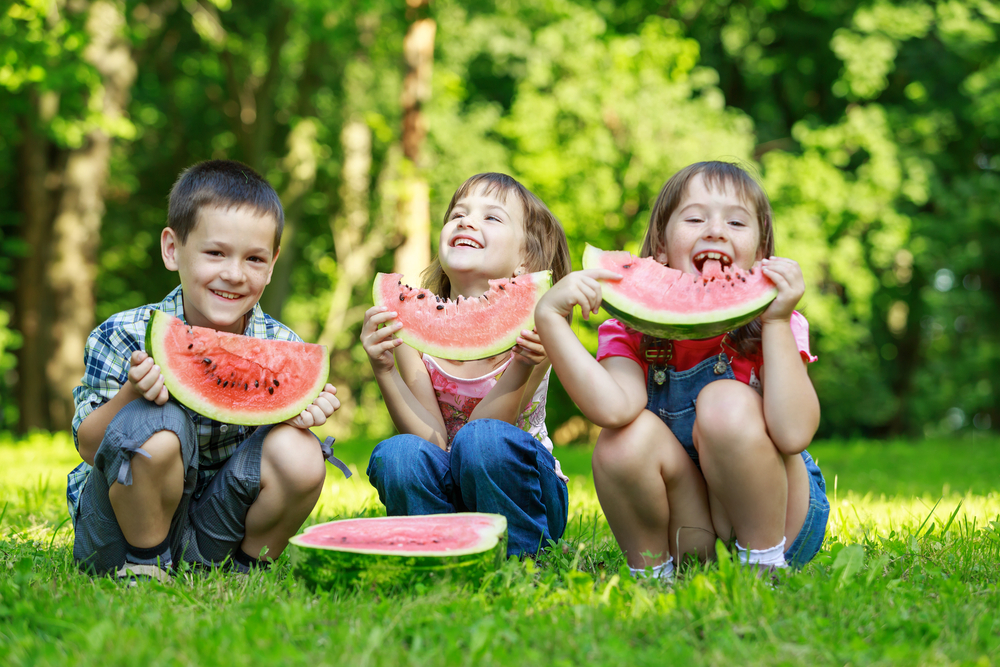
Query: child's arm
column 611, row 393
column 144, row 381
column 791, row 408
column 407, row 392
column 507, row 400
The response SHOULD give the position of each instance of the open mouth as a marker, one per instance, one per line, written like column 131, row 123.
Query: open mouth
column 466, row 242
column 226, row 295
column 702, row 257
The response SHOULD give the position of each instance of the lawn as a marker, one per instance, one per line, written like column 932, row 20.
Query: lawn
column 908, row 575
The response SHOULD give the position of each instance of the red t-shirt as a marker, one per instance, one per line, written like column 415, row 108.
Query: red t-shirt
column 617, row 340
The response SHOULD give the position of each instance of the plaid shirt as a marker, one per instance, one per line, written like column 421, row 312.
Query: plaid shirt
column 107, row 362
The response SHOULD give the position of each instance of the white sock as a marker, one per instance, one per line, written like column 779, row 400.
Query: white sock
column 774, row 556
column 663, row 571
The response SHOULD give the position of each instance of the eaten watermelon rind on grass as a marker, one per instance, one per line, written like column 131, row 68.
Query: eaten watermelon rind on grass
column 399, row 550
column 235, row 379
column 667, row 303
column 467, row 328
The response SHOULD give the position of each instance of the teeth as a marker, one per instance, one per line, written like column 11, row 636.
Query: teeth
column 712, row 255
column 226, row 295
column 468, row 242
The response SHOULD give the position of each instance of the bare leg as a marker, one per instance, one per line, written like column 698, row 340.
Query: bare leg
column 144, row 509
column 756, row 492
column 292, row 471
column 651, row 493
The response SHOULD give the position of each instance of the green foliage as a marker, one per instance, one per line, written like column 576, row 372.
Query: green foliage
column 874, row 126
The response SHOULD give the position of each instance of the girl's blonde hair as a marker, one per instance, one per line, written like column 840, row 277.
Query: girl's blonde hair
column 716, row 174
column 545, row 245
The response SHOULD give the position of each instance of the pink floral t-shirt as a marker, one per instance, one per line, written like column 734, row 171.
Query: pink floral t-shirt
column 458, row 397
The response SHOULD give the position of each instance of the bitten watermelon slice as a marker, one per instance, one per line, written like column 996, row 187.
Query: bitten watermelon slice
column 668, row 303
column 235, row 379
column 465, row 329
column 400, row 549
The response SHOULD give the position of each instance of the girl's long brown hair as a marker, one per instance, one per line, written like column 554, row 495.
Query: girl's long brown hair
column 716, row 174
column 545, row 245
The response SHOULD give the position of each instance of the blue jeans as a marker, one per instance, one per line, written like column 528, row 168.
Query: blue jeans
column 673, row 401
column 492, row 467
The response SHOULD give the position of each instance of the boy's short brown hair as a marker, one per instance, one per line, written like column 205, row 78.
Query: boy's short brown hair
column 545, row 245
column 222, row 184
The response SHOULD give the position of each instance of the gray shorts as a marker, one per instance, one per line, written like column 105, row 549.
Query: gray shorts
column 204, row 530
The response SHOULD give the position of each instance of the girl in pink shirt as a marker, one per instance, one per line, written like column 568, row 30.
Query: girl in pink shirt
column 701, row 438
column 472, row 434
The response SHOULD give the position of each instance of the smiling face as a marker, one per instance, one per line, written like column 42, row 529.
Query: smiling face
column 224, row 265
column 482, row 240
column 711, row 223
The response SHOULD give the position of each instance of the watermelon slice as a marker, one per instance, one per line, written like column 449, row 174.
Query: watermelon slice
column 667, row 303
column 235, row 379
column 465, row 329
column 400, row 549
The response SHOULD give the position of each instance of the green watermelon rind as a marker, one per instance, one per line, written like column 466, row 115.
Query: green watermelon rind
column 324, row 567
column 542, row 281
column 668, row 324
column 156, row 328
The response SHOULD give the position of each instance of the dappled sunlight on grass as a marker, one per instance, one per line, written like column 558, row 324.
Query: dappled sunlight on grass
column 856, row 516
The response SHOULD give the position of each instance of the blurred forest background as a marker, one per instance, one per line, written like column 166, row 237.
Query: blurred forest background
column 875, row 127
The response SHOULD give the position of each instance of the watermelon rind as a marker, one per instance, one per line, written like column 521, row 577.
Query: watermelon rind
column 449, row 342
column 156, row 329
column 668, row 324
column 328, row 567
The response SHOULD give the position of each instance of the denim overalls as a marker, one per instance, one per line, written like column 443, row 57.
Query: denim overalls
column 672, row 396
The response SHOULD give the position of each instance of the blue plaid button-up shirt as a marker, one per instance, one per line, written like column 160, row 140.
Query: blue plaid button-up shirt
column 107, row 362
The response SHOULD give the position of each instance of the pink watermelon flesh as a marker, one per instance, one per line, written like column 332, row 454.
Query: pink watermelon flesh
column 236, row 379
column 667, row 303
column 465, row 329
column 432, row 535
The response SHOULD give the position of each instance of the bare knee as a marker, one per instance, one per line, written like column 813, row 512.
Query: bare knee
column 164, row 449
column 728, row 414
column 634, row 450
column 292, row 458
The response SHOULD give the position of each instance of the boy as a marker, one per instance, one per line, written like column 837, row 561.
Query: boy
column 200, row 491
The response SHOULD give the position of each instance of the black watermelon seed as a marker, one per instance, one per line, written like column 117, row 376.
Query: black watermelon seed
column 256, row 384
column 270, row 390
column 225, row 384
column 214, row 366
column 218, row 380
column 402, row 298
column 232, row 374
column 190, row 346
column 751, row 270
column 421, row 295
column 743, row 279
column 206, row 360
column 246, row 386
column 275, row 382
column 502, row 287
column 626, row 266
column 440, row 307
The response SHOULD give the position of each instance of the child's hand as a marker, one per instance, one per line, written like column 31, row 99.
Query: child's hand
column 318, row 411
column 146, row 378
column 379, row 343
column 580, row 288
column 529, row 349
column 787, row 277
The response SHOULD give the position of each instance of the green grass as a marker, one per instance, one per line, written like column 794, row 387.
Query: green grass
column 908, row 576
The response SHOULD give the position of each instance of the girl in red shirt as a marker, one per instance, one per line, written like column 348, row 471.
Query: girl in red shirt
column 704, row 438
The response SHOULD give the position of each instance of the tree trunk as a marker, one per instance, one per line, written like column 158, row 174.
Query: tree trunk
column 414, row 253
column 77, row 225
column 32, row 316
